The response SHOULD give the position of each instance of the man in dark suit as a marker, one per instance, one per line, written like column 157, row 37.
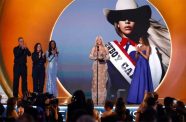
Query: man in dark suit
column 20, row 68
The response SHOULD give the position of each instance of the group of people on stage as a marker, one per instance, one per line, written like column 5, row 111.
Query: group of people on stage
column 124, row 64
column 39, row 58
column 131, row 24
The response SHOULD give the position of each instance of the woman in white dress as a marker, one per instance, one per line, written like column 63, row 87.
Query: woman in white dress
column 52, row 57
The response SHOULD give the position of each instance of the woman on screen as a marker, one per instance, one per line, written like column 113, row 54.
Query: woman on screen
column 132, row 22
column 99, row 54
column 52, row 57
column 141, row 80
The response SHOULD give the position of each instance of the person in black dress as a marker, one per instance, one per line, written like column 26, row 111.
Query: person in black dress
column 20, row 68
column 38, row 69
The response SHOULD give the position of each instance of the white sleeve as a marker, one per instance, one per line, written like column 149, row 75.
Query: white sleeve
column 49, row 58
column 155, row 67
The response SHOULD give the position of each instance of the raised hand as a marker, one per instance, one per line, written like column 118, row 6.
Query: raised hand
column 137, row 48
column 43, row 55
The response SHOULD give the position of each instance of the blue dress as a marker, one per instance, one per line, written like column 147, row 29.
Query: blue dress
column 141, row 81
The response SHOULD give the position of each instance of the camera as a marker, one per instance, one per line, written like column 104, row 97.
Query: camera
column 54, row 101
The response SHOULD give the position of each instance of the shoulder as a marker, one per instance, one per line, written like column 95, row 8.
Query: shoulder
column 16, row 47
column 93, row 48
column 47, row 52
column 148, row 48
column 34, row 53
column 106, row 48
column 95, row 111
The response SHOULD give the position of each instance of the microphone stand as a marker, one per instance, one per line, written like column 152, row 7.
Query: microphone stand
column 97, row 72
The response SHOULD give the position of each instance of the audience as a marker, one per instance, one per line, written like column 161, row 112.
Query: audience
column 26, row 118
column 119, row 114
column 120, row 109
column 149, row 113
column 52, row 113
column 86, row 118
column 108, row 109
column 170, row 109
column 11, row 114
column 44, row 108
column 143, row 106
column 156, row 96
column 2, row 109
column 91, row 111
column 129, row 117
column 77, row 107
column 20, row 108
column 180, row 108
column 161, row 114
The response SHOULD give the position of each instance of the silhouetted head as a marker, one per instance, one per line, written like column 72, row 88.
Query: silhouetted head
column 79, row 97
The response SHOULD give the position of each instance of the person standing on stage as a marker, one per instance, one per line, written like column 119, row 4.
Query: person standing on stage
column 141, row 80
column 20, row 68
column 38, row 69
column 52, row 57
column 100, row 55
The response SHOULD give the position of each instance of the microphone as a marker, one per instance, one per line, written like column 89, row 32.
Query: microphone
column 97, row 47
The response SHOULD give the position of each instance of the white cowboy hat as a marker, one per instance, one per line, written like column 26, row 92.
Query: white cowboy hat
column 128, row 9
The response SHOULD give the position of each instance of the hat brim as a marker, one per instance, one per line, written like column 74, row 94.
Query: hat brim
column 140, row 14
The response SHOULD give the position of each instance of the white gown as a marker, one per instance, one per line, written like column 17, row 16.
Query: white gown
column 51, row 86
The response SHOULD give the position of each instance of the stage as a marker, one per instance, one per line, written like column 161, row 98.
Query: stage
column 75, row 37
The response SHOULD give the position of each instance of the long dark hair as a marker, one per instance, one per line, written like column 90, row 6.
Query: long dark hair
column 145, row 40
column 35, row 47
column 120, row 108
column 79, row 98
column 90, row 107
column 50, row 47
column 11, row 104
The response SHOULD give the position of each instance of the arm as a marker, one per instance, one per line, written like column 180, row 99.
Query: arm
column 47, row 114
column 49, row 58
column 147, row 53
column 107, row 57
column 14, row 114
column 136, row 55
column 35, row 57
column 17, row 52
column 56, row 113
column 138, row 113
column 137, row 52
column 96, row 114
column 91, row 56
column 28, row 52
column 44, row 58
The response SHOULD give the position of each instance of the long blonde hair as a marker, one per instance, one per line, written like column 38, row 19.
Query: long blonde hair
column 159, row 37
column 102, row 43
